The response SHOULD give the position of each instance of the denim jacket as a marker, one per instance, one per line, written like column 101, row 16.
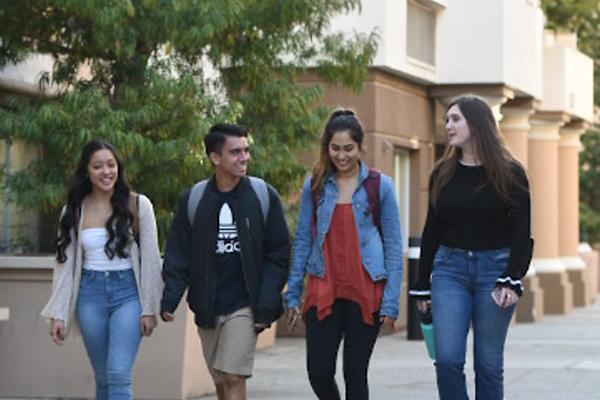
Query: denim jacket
column 382, row 260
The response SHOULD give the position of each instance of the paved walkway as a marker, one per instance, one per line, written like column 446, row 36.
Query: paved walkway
column 555, row 359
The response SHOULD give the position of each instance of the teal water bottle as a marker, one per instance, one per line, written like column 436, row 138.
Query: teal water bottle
column 427, row 329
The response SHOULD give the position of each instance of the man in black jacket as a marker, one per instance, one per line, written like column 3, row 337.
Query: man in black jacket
column 233, row 260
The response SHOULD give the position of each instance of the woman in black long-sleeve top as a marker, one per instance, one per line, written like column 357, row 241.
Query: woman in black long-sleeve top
column 474, row 246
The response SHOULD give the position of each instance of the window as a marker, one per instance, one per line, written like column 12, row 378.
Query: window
column 420, row 33
column 19, row 229
column 402, row 183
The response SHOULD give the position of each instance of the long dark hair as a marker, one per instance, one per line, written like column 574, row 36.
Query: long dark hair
column 499, row 165
column 121, row 219
column 339, row 120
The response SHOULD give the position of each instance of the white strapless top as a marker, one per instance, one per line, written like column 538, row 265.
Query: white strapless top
column 94, row 257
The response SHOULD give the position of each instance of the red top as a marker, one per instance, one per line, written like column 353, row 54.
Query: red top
column 345, row 277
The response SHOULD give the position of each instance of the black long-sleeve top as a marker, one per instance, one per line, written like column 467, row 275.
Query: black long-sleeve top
column 470, row 216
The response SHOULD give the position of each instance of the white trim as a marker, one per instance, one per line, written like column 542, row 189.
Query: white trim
column 584, row 247
column 421, row 64
column 570, row 138
column 538, row 136
column 512, row 282
column 419, row 292
column 401, row 178
column 531, row 272
column 513, row 126
column 414, row 253
column 469, row 164
column 573, row 263
column 543, row 265
column 27, row 262
column 435, row 5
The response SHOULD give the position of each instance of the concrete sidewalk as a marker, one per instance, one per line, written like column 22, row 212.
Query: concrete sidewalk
column 557, row 358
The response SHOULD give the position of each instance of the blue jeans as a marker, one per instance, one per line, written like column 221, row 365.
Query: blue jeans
column 462, row 282
column 109, row 311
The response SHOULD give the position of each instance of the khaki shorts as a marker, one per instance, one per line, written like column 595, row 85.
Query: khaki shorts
column 231, row 345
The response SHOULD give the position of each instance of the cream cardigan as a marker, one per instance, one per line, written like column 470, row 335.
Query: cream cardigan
column 67, row 275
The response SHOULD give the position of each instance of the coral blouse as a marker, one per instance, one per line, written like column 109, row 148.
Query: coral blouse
column 345, row 277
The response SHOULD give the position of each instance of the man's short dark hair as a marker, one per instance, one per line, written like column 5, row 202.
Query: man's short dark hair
column 217, row 135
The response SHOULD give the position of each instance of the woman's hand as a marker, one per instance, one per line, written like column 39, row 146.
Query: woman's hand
column 423, row 305
column 167, row 316
column 57, row 331
column 292, row 317
column 387, row 320
column 260, row 326
column 147, row 324
column 504, row 296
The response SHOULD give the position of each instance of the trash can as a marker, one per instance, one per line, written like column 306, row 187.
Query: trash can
column 413, row 323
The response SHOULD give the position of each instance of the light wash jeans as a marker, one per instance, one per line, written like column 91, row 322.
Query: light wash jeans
column 108, row 310
column 462, row 282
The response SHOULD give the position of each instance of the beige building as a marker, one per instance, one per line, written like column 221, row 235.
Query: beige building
column 540, row 88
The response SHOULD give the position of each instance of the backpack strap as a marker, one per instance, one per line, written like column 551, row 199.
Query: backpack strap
column 262, row 192
column 194, row 199
column 258, row 185
column 372, row 183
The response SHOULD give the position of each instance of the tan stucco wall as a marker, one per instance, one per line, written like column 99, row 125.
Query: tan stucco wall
column 169, row 365
column 592, row 260
column 568, row 193
column 568, row 196
column 515, row 128
column 543, row 167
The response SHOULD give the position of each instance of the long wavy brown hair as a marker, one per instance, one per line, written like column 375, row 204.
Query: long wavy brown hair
column 499, row 165
column 120, row 221
column 340, row 120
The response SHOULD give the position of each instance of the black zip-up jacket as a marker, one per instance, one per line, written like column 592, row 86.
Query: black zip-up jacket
column 190, row 254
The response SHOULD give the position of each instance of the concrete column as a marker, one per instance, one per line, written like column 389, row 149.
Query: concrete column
column 515, row 128
column 496, row 103
column 590, row 257
column 568, row 196
column 543, row 160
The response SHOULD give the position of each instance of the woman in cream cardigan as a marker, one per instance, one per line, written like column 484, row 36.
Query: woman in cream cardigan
column 107, row 277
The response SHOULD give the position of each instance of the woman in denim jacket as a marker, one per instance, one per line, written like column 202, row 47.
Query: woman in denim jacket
column 474, row 246
column 354, row 274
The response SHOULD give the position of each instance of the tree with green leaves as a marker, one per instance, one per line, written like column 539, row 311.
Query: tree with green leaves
column 583, row 17
column 151, row 76
column 589, row 208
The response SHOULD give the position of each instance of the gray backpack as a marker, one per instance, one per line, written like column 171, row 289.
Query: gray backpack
column 258, row 185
